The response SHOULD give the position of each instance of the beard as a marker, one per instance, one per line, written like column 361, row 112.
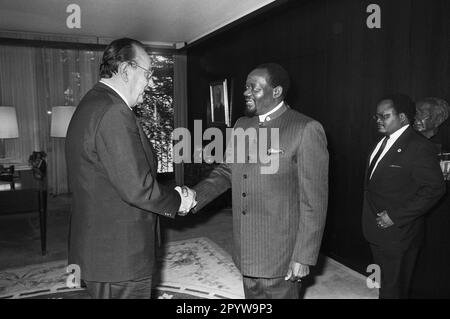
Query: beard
column 249, row 112
column 250, row 109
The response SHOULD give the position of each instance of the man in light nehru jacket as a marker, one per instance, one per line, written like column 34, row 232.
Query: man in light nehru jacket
column 279, row 215
column 403, row 181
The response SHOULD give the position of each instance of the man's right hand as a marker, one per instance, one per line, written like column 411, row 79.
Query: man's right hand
column 187, row 199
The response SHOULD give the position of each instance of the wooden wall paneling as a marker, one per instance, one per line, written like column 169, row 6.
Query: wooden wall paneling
column 431, row 72
column 335, row 90
column 430, row 54
column 352, row 138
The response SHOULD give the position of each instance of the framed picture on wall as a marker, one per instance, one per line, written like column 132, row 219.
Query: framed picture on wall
column 219, row 112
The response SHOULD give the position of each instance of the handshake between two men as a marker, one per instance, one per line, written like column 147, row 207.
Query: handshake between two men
column 188, row 200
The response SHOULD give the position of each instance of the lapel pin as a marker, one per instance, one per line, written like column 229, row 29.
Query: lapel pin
column 399, row 150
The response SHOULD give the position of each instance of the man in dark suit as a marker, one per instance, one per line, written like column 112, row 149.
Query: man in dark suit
column 279, row 213
column 403, row 181
column 431, row 276
column 112, row 174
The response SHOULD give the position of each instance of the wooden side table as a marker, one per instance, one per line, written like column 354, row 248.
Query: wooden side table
column 26, row 194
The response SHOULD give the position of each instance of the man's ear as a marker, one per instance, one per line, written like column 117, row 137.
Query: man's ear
column 277, row 91
column 123, row 71
column 438, row 119
column 403, row 118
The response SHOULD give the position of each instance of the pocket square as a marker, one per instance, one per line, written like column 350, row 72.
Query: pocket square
column 272, row 151
column 395, row 166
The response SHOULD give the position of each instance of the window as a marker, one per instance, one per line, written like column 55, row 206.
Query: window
column 156, row 112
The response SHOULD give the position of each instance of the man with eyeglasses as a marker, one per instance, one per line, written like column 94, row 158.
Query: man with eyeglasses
column 403, row 181
column 431, row 112
column 112, row 175
column 432, row 278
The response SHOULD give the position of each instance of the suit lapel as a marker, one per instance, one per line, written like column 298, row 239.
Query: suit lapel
column 396, row 149
column 366, row 175
column 150, row 153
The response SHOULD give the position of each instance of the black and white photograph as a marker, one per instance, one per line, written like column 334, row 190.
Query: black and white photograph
column 225, row 151
column 219, row 107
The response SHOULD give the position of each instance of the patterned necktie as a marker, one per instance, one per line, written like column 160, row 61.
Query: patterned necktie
column 377, row 155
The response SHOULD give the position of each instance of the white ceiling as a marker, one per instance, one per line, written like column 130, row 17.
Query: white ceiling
column 157, row 22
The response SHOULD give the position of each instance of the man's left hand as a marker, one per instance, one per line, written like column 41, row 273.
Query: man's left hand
column 296, row 271
column 383, row 220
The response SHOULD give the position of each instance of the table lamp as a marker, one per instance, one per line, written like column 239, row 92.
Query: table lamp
column 8, row 126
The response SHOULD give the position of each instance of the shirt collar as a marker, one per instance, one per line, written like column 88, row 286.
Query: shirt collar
column 262, row 118
column 394, row 136
column 115, row 90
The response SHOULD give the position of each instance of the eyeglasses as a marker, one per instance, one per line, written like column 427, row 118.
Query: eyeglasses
column 420, row 118
column 148, row 73
column 381, row 117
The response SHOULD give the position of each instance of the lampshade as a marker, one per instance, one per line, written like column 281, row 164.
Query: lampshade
column 8, row 122
column 61, row 116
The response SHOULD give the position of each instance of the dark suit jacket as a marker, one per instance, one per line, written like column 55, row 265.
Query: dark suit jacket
column 407, row 182
column 277, row 217
column 116, row 198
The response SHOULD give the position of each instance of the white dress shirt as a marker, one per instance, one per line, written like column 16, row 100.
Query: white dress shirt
column 392, row 138
column 123, row 98
column 262, row 118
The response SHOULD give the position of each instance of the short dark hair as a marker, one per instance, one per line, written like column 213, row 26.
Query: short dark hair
column 402, row 103
column 278, row 76
column 118, row 51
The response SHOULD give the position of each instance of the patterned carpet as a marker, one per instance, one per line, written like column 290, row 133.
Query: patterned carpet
column 190, row 269
column 194, row 268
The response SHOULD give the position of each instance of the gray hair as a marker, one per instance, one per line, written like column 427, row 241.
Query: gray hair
column 439, row 106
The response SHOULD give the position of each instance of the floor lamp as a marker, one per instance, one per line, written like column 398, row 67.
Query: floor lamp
column 61, row 116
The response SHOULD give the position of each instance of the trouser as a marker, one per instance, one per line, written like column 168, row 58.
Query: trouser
column 131, row 289
column 397, row 267
column 270, row 288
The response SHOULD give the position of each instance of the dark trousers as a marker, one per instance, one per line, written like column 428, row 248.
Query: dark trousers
column 397, row 267
column 270, row 288
column 132, row 289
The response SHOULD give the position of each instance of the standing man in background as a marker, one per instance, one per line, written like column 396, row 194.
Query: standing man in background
column 112, row 174
column 432, row 278
column 431, row 112
column 278, row 217
column 403, row 181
